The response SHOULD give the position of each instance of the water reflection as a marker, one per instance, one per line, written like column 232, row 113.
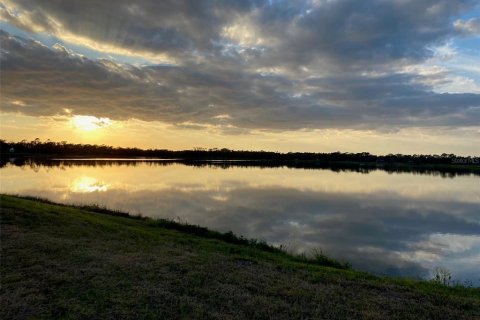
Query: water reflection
column 444, row 172
column 401, row 224
column 88, row 184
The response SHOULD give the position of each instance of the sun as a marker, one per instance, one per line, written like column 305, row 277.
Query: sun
column 90, row 123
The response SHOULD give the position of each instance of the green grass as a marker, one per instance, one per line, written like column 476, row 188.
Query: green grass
column 68, row 262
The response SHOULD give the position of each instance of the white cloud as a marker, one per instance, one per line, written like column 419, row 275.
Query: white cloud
column 470, row 27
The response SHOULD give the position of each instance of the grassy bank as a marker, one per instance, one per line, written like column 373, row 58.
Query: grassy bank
column 65, row 262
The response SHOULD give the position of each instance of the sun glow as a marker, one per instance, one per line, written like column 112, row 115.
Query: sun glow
column 87, row 184
column 90, row 123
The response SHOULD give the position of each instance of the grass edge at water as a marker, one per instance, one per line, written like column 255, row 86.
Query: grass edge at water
column 60, row 261
column 314, row 258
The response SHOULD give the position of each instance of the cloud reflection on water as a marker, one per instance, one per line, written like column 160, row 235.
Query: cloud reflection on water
column 386, row 228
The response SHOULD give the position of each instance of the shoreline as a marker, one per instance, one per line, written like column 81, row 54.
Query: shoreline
column 447, row 169
column 91, row 257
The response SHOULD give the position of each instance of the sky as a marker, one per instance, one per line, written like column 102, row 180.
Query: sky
column 383, row 76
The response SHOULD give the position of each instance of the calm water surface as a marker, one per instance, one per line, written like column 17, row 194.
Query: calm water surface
column 387, row 223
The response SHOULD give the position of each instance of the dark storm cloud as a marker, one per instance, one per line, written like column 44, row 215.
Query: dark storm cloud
column 340, row 63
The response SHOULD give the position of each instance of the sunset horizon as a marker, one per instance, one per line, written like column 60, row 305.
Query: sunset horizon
column 309, row 76
column 240, row 159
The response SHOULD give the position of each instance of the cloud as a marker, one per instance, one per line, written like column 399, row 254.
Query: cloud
column 349, row 34
column 172, row 27
column 468, row 27
column 274, row 65
column 50, row 80
column 337, row 34
column 383, row 232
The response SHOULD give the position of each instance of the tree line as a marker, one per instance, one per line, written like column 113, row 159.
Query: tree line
column 63, row 148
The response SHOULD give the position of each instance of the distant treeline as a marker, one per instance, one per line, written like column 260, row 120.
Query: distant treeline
column 444, row 171
column 37, row 147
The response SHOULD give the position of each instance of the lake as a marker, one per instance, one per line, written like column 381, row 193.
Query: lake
column 395, row 223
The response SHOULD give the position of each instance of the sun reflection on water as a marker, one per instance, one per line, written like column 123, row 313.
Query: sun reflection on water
column 87, row 184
